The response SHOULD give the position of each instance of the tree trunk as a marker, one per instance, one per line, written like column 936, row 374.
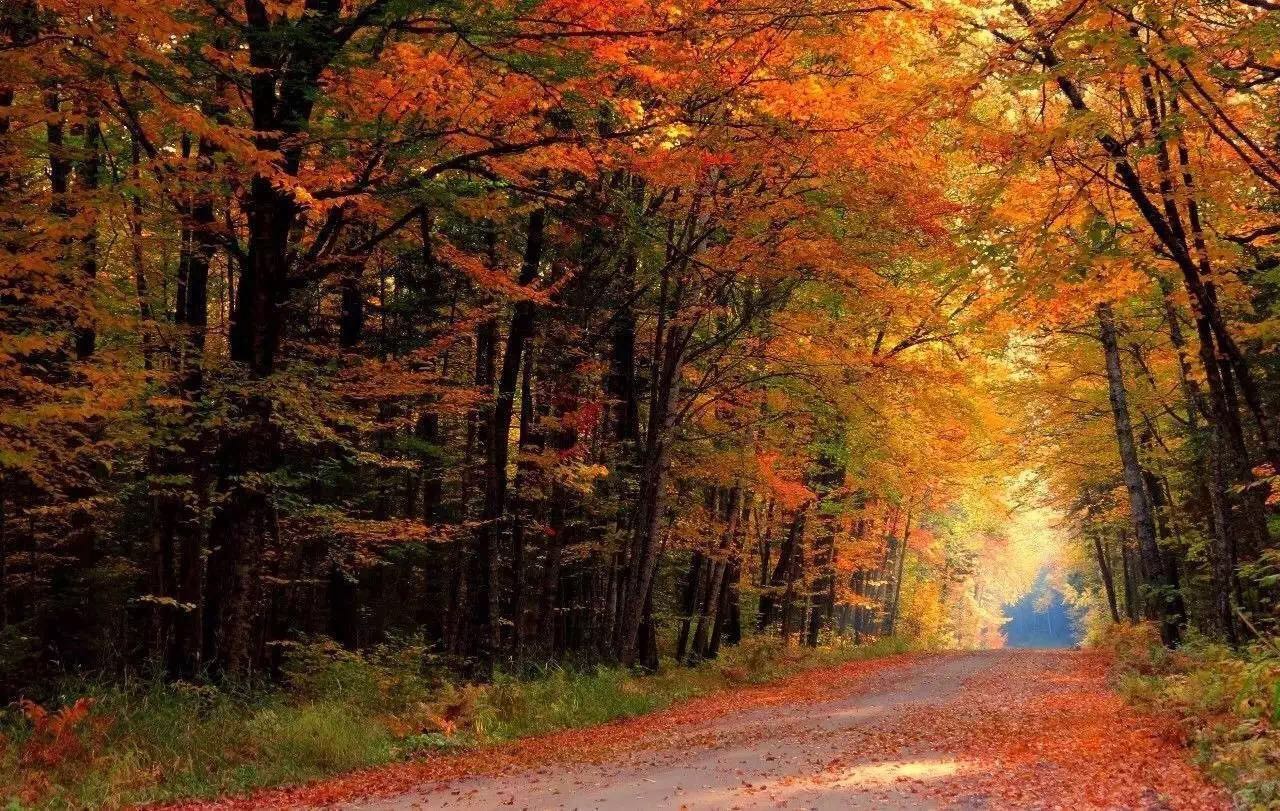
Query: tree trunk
column 486, row 598
column 86, row 335
column 892, row 623
column 689, row 603
column 643, row 559
column 795, row 573
column 781, row 571
column 1212, row 466
column 1104, row 570
column 1159, row 601
column 1131, row 606
column 528, row 439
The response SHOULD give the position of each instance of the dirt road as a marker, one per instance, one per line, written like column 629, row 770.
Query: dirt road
column 1005, row 729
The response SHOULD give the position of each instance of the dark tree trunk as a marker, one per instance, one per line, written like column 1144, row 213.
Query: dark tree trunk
column 732, row 610
column 288, row 58
column 781, row 572
column 859, row 586
column 86, row 335
column 645, row 542
column 826, row 483
column 689, row 603
column 1104, row 570
column 528, row 439
column 1158, row 604
column 722, row 611
column 1211, row 467
column 709, row 619
column 884, row 573
column 1131, row 603
column 181, row 514
column 550, row 585
column 486, row 597
column 351, row 322
column 622, row 368
column 795, row 573
column 821, row 592
column 894, row 602
column 427, row 430
column 344, row 607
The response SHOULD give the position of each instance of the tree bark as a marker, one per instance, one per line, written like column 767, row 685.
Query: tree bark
column 643, row 560
column 86, row 335
column 689, row 603
column 1158, row 603
column 1104, row 570
column 894, row 602
column 781, row 570
column 486, row 605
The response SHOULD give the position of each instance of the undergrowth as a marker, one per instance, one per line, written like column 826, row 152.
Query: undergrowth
column 1228, row 702
column 112, row 746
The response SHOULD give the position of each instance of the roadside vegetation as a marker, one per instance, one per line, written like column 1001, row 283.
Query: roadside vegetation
column 1228, row 703
column 336, row 710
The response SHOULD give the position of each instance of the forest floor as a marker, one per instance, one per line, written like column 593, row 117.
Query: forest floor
column 1000, row 729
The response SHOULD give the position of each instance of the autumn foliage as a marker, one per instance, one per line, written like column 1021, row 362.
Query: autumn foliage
column 611, row 331
column 531, row 331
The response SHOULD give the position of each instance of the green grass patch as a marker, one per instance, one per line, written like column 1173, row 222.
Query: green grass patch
column 336, row 711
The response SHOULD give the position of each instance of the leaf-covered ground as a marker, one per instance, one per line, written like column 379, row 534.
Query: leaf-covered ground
column 1010, row 729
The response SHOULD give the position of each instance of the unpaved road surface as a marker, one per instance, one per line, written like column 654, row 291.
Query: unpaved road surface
column 1000, row 729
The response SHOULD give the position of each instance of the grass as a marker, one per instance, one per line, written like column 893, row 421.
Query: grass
column 337, row 711
column 1228, row 702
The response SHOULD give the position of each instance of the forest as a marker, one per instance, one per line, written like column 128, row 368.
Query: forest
column 627, row 333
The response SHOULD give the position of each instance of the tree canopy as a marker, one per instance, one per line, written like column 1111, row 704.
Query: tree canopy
column 553, row 329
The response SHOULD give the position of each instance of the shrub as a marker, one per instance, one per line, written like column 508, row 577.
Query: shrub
column 387, row 678
column 57, row 737
column 1228, row 701
column 757, row 659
